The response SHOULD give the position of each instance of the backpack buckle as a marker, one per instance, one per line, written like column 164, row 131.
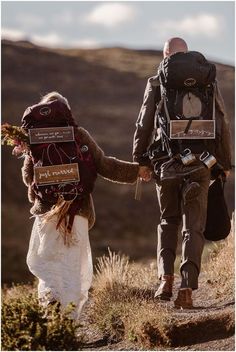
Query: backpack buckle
column 187, row 157
column 208, row 159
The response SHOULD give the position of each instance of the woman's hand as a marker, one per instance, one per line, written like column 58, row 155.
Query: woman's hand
column 145, row 173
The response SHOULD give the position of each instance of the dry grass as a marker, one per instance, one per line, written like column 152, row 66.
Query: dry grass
column 110, row 270
column 221, row 268
column 116, row 268
column 123, row 305
column 124, row 309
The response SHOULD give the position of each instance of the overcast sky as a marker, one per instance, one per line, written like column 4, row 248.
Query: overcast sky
column 207, row 26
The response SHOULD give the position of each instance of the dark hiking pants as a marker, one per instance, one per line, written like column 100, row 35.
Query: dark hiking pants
column 175, row 209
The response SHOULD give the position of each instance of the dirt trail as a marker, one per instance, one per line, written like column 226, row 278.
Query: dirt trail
column 207, row 327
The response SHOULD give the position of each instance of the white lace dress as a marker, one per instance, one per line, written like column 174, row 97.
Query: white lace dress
column 64, row 273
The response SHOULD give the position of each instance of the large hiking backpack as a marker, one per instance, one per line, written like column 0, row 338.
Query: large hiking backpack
column 186, row 112
column 55, row 114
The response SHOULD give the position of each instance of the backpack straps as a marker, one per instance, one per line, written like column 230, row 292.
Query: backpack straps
column 164, row 136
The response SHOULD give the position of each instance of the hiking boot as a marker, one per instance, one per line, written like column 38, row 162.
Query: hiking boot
column 164, row 291
column 184, row 299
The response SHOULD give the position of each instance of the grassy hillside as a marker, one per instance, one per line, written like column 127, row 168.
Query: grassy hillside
column 105, row 89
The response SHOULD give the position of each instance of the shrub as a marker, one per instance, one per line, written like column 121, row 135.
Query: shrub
column 25, row 326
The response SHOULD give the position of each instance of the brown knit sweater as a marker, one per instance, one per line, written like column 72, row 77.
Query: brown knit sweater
column 108, row 167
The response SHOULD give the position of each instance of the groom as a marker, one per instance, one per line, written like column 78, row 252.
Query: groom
column 170, row 192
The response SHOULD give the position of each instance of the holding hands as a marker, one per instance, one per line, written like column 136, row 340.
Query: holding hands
column 145, row 173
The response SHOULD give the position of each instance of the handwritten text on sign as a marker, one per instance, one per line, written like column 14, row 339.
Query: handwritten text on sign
column 51, row 135
column 47, row 175
column 198, row 129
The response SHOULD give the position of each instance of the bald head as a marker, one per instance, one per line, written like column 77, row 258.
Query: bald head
column 174, row 45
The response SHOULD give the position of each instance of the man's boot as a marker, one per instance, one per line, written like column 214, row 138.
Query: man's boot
column 184, row 299
column 164, row 291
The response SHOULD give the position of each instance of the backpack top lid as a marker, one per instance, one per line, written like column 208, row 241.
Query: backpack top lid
column 51, row 114
column 186, row 70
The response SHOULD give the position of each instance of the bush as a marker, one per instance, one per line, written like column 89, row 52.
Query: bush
column 26, row 326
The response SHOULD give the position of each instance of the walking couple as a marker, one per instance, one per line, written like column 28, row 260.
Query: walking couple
column 63, row 263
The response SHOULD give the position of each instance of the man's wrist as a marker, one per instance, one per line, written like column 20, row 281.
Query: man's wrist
column 142, row 161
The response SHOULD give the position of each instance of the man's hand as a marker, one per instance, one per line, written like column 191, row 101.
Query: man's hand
column 227, row 173
column 145, row 173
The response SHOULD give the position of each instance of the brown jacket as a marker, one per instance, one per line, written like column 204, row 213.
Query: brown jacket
column 108, row 167
column 145, row 126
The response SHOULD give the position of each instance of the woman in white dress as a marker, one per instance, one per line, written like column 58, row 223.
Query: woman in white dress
column 65, row 271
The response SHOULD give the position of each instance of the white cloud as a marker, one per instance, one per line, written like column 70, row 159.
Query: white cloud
column 13, row 34
column 111, row 14
column 29, row 20
column 51, row 40
column 64, row 18
column 202, row 24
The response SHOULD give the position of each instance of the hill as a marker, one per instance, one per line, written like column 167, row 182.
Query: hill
column 105, row 89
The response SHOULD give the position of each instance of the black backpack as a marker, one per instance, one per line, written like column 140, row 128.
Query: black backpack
column 186, row 112
column 218, row 224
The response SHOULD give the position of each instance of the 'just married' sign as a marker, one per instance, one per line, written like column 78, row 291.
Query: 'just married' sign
column 48, row 175
column 51, row 135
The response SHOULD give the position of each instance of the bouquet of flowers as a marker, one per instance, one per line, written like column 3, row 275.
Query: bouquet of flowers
column 16, row 137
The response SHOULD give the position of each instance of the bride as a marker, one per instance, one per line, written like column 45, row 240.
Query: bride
column 62, row 261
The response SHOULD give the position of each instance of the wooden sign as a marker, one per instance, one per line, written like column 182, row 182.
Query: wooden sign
column 51, row 135
column 199, row 129
column 48, row 175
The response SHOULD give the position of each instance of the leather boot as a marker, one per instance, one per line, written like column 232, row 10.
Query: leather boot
column 164, row 291
column 184, row 299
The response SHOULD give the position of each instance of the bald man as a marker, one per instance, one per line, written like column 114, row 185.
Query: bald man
column 174, row 45
column 173, row 206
